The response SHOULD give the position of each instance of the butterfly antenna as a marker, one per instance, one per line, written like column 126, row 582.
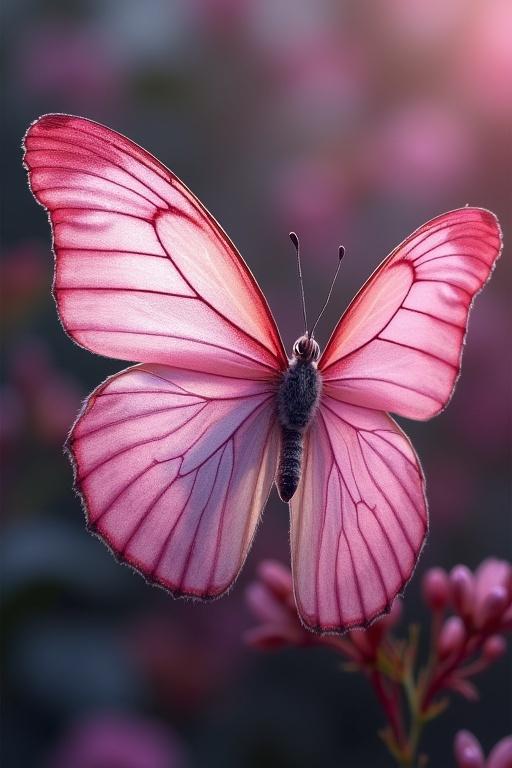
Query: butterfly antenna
column 295, row 241
column 341, row 253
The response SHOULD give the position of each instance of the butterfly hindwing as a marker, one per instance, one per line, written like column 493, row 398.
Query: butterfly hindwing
column 174, row 468
column 359, row 517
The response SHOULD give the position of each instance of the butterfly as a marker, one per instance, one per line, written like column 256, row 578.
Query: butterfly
column 174, row 457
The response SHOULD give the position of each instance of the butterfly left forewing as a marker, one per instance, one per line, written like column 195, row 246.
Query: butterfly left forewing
column 359, row 517
column 174, row 468
column 142, row 271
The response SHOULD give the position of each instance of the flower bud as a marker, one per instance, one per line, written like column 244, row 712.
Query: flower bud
column 277, row 577
column 263, row 604
column 501, row 754
column 463, row 590
column 492, row 573
column 494, row 648
column 269, row 638
column 492, row 607
column 436, row 589
column 452, row 637
column 468, row 752
column 506, row 620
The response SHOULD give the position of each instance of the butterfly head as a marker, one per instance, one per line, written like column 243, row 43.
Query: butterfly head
column 306, row 349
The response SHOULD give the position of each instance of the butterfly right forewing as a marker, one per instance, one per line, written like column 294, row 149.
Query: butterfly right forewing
column 398, row 346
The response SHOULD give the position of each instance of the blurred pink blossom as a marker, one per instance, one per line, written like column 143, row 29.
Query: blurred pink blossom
column 220, row 16
column 469, row 753
column 420, row 150
column 452, row 637
column 11, row 419
column 123, row 741
column 487, row 432
column 323, row 77
column 23, row 279
column 271, row 601
column 435, row 588
column 482, row 70
column 451, row 486
column 416, row 25
column 70, row 62
column 48, row 398
column 186, row 661
column 310, row 199
column 483, row 599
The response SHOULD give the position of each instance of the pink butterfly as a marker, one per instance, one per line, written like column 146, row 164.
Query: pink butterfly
column 175, row 457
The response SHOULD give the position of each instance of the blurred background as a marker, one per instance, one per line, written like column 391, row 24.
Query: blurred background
column 350, row 122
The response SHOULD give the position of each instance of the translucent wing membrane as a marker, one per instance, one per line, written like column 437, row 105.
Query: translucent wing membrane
column 398, row 346
column 174, row 468
column 359, row 517
column 143, row 271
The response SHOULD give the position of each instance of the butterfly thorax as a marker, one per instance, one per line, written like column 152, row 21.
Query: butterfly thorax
column 297, row 398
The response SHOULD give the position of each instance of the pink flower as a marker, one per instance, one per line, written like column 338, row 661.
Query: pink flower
column 452, row 637
column 435, row 588
column 271, row 601
column 462, row 645
column 469, row 754
column 483, row 599
column 122, row 741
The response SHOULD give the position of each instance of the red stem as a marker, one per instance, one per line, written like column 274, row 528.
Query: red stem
column 437, row 681
column 390, row 706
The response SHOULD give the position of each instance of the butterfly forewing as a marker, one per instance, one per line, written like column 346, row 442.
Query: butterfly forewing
column 143, row 271
column 398, row 346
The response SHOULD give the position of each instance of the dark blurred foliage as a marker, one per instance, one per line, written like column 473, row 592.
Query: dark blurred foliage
column 347, row 120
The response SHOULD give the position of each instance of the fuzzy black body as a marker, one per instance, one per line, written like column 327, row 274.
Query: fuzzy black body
column 297, row 399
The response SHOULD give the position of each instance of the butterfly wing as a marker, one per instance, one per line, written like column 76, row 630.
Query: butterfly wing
column 174, row 468
column 143, row 271
column 359, row 517
column 398, row 346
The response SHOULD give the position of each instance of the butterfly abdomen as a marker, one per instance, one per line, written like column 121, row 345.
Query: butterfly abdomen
column 296, row 402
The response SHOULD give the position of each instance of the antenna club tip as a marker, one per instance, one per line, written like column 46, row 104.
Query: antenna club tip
column 294, row 238
column 341, row 252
